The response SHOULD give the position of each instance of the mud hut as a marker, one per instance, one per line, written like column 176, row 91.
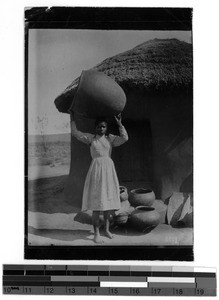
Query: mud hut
column 157, row 79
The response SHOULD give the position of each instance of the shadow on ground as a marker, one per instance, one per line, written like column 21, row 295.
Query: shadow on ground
column 61, row 235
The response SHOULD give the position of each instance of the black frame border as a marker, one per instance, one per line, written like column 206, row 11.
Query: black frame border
column 102, row 18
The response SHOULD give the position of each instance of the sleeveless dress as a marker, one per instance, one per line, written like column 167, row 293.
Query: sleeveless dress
column 101, row 189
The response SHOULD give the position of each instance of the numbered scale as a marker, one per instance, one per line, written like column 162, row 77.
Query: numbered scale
column 108, row 280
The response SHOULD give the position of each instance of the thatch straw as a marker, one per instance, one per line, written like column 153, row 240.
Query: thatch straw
column 156, row 66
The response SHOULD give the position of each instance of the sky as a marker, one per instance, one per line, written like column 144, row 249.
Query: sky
column 57, row 56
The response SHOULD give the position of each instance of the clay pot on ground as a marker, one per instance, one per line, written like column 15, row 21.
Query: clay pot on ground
column 121, row 219
column 98, row 95
column 123, row 193
column 121, row 216
column 141, row 197
column 144, row 218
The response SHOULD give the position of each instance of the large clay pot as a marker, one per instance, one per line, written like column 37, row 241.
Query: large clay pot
column 123, row 193
column 141, row 197
column 144, row 217
column 98, row 95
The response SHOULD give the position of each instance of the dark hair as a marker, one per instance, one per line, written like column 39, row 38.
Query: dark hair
column 100, row 120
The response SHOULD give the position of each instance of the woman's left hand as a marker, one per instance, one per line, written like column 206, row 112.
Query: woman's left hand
column 118, row 119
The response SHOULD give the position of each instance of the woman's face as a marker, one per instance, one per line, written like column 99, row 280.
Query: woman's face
column 101, row 128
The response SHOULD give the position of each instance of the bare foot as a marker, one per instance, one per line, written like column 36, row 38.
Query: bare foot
column 108, row 234
column 97, row 239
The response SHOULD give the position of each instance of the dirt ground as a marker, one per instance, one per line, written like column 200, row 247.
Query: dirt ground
column 43, row 230
column 51, row 221
column 37, row 171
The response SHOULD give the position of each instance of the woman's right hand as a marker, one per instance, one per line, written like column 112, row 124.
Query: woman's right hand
column 118, row 119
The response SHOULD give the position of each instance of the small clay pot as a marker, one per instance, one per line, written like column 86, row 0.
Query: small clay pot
column 144, row 217
column 121, row 219
column 141, row 197
column 98, row 95
column 123, row 193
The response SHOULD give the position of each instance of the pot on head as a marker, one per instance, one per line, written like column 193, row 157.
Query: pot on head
column 98, row 95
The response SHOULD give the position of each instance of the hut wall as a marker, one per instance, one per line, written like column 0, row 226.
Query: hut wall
column 134, row 160
column 172, row 130
column 170, row 118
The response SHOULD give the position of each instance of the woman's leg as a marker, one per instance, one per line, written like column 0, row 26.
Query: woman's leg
column 106, row 215
column 96, row 225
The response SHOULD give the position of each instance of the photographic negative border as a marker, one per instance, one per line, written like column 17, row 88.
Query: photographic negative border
column 108, row 19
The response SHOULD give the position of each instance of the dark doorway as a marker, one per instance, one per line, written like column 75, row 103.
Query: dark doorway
column 133, row 160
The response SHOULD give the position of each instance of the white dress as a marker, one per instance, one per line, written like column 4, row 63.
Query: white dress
column 101, row 188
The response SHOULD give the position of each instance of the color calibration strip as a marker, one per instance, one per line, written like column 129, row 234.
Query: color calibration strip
column 108, row 280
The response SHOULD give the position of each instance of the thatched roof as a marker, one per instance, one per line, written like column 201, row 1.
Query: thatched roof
column 156, row 66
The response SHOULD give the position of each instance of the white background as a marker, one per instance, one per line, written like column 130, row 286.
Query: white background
column 206, row 127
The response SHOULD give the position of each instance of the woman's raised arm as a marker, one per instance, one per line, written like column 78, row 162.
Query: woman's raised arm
column 120, row 139
column 80, row 136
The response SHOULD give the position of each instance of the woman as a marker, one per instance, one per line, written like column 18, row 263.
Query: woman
column 101, row 189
